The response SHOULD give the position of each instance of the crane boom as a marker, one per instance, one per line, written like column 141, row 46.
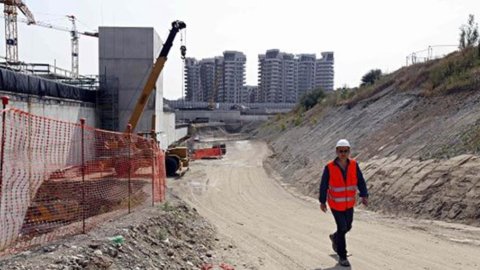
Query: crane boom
column 23, row 8
column 154, row 74
column 73, row 32
column 56, row 27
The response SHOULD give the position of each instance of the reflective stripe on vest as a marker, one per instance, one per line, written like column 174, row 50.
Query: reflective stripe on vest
column 340, row 189
column 342, row 199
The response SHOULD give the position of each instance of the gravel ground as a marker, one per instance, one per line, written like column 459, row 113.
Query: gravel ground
column 167, row 236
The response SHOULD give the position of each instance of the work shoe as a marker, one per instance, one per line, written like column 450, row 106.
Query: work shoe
column 334, row 244
column 344, row 262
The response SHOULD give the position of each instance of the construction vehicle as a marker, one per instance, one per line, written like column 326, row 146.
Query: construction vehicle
column 176, row 158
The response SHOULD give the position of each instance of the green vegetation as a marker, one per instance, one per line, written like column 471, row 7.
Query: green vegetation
column 469, row 34
column 310, row 99
column 458, row 72
column 371, row 77
column 298, row 120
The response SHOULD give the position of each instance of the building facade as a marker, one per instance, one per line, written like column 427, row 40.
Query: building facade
column 277, row 77
column 193, row 90
column 306, row 73
column 324, row 72
column 233, row 76
column 250, row 94
column 219, row 79
column 284, row 77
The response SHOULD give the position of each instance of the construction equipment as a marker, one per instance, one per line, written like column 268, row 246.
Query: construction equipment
column 11, row 31
column 75, row 34
column 176, row 158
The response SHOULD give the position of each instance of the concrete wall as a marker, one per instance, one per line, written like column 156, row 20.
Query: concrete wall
column 218, row 115
column 59, row 109
column 212, row 115
column 167, row 136
column 128, row 53
column 169, row 133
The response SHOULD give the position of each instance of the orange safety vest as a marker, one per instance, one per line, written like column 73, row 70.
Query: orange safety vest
column 342, row 192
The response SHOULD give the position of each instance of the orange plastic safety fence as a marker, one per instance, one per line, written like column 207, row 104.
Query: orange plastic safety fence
column 59, row 178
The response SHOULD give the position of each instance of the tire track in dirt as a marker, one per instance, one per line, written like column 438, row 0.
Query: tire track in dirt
column 277, row 230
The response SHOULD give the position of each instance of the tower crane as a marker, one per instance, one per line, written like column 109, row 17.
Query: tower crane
column 75, row 38
column 11, row 33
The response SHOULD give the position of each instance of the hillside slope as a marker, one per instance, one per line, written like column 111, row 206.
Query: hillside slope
column 416, row 134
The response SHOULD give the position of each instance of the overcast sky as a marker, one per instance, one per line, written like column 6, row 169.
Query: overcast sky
column 363, row 34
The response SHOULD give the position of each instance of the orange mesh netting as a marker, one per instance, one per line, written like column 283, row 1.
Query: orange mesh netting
column 45, row 194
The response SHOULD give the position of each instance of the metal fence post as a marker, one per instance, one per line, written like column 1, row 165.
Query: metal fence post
column 154, row 159
column 129, row 130
column 5, row 100
column 82, row 123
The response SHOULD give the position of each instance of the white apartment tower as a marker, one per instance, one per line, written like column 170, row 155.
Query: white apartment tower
column 193, row 89
column 277, row 77
column 306, row 73
column 219, row 79
column 207, row 78
column 324, row 73
column 284, row 78
column 233, row 77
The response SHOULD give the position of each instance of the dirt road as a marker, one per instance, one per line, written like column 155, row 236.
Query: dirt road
column 278, row 229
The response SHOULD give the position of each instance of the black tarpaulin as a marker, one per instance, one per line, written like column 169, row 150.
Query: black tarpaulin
column 15, row 82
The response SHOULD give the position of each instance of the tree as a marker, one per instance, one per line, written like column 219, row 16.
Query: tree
column 372, row 76
column 469, row 33
column 310, row 99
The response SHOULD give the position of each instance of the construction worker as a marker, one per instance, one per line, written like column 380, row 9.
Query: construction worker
column 340, row 180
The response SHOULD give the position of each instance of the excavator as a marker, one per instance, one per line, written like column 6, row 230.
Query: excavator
column 176, row 158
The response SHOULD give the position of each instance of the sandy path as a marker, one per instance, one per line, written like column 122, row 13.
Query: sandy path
column 280, row 230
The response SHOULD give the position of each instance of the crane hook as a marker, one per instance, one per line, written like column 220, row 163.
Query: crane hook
column 183, row 51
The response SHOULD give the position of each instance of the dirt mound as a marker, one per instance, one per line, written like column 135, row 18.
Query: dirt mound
column 171, row 236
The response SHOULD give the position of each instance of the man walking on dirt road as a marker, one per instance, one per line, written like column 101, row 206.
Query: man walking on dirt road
column 340, row 180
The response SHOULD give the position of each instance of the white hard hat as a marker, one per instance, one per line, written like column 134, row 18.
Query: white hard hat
column 343, row 143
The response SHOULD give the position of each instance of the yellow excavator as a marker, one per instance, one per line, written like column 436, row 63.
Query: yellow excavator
column 176, row 158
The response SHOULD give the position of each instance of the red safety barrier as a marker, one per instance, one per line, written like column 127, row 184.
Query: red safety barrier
column 59, row 178
column 205, row 153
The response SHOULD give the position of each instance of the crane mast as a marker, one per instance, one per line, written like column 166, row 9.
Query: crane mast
column 11, row 30
column 75, row 47
column 75, row 34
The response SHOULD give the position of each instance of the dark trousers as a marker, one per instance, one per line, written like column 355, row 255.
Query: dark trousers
column 344, row 221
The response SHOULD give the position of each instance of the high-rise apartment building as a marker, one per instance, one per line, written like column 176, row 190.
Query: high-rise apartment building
column 324, row 73
column 207, row 78
column 193, row 89
column 277, row 76
column 233, row 77
column 306, row 73
column 284, row 77
column 219, row 79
